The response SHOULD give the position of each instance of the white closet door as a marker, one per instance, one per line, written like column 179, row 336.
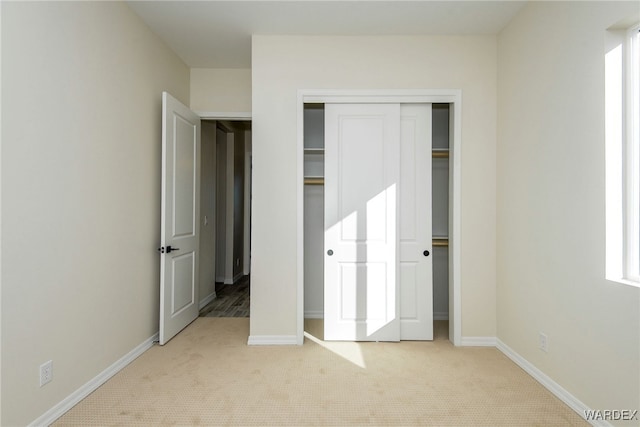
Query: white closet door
column 416, row 265
column 361, row 228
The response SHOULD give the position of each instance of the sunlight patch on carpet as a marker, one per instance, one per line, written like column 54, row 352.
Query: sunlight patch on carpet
column 349, row 351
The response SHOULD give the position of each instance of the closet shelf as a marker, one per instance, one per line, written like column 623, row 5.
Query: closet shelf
column 314, row 151
column 440, row 242
column 314, row 180
column 440, row 153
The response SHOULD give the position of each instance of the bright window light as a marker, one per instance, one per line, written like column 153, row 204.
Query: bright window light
column 632, row 158
column 622, row 132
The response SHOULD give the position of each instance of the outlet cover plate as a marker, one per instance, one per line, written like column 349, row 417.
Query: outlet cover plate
column 544, row 342
column 46, row 372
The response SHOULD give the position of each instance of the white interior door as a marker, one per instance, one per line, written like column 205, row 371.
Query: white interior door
column 180, row 217
column 416, row 265
column 362, row 159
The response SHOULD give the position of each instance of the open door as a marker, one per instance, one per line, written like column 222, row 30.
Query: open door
column 180, row 217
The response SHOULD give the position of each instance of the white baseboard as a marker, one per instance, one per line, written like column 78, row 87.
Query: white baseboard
column 555, row 388
column 314, row 314
column 74, row 398
column 478, row 341
column 272, row 340
column 206, row 300
column 319, row 314
column 238, row 277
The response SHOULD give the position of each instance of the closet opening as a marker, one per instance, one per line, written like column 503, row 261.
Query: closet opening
column 313, row 140
column 440, row 217
column 314, row 219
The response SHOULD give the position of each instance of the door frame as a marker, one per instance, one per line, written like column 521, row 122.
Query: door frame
column 400, row 96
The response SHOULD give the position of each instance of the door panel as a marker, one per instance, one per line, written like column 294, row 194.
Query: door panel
column 183, row 186
column 183, row 272
column 179, row 217
column 416, row 276
column 361, row 210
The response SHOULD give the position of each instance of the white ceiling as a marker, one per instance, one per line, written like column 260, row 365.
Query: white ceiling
column 217, row 34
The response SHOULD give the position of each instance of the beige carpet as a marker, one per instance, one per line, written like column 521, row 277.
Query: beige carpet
column 207, row 375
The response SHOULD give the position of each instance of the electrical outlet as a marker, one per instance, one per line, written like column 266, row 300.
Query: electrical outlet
column 543, row 342
column 46, row 372
column 238, row 262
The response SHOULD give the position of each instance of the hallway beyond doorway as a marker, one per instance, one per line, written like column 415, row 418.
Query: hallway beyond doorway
column 230, row 301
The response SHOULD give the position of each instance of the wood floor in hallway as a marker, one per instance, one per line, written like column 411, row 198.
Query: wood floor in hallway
column 230, row 301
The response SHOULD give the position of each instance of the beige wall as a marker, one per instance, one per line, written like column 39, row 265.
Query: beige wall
column 551, row 212
column 222, row 163
column 283, row 64
column 81, row 114
column 208, row 209
column 221, row 90
column 238, row 199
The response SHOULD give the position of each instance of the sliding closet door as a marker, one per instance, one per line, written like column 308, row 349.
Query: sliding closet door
column 362, row 162
column 416, row 268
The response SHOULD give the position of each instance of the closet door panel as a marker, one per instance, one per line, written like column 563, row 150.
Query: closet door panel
column 416, row 269
column 361, row 228
column 378, row 222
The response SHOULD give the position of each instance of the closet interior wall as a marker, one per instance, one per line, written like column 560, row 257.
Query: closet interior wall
column 440, row 209
column 314, row 210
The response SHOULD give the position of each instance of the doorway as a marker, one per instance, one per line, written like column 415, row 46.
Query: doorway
column 452, row 99
column 225, row 215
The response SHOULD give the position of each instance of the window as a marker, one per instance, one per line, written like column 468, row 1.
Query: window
column 632, row 158
column 622, row 126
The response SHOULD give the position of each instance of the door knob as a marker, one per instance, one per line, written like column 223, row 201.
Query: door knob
column 329, row 252
column 167, row 250
column 425, row 253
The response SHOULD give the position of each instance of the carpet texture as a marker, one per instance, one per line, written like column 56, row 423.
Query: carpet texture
column 207, row 375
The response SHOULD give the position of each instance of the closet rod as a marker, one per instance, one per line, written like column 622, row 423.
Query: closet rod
column 440, row 154
column 440, row 243
column 314, row 181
